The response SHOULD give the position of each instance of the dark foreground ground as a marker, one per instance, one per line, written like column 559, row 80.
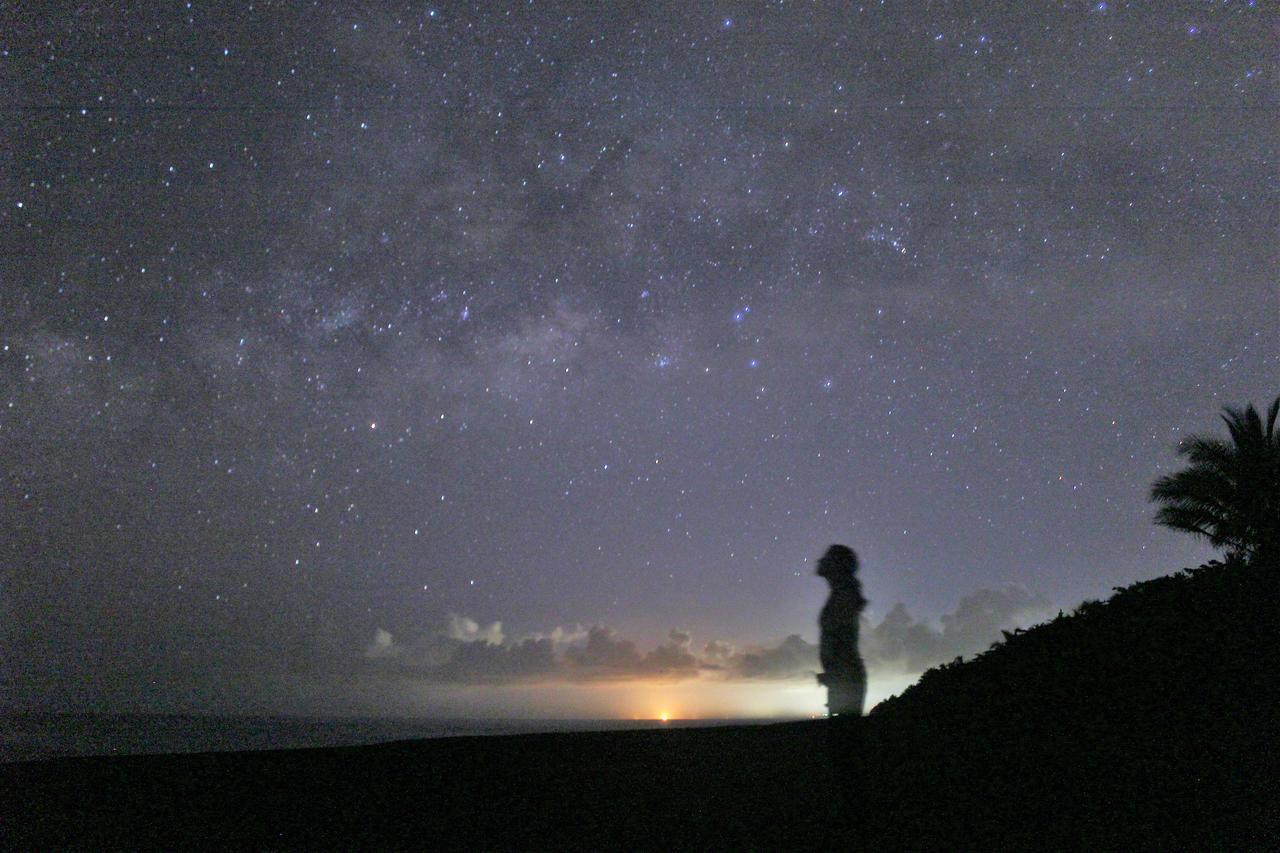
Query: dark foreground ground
column 1145, row 722
column 635, row 789
column 750, row 787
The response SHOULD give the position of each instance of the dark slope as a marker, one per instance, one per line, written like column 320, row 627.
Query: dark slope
column 1145, row 722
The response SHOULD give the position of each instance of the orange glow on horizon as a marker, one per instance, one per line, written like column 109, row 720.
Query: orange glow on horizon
column 662, row 701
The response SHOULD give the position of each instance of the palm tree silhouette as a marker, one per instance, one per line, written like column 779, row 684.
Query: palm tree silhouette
column 1230, row 491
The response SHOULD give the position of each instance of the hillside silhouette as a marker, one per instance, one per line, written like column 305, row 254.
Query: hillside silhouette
column 1142, row 722
column 1146, row 719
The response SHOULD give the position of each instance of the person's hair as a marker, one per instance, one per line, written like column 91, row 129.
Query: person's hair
column 839, row 561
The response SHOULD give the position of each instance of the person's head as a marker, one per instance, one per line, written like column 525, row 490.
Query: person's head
column 838, row 564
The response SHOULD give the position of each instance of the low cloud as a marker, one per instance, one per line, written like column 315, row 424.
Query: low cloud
column 382, row 645
column 603, row 655
column 717, row 652
column 466, row 652
column 902, row 643
column 794, row 657
column 480, row 661
column 603, row 652
column 467, row 630
column 561, row 637
column 672, row 658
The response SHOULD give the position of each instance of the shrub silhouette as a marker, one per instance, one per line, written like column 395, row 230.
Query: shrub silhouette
column 1230, row 491
column 1139, row 720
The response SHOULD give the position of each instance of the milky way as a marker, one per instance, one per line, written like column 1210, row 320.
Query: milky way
column 332, row 339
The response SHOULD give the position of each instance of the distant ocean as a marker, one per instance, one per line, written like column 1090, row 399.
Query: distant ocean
column 25, row 737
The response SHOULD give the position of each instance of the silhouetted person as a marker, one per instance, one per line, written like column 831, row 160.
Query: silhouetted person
column 844, row 674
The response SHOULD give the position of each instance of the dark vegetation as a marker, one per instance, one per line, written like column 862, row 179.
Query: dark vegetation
column 1229, row 492
column 1143, row 722
column 1146, row 721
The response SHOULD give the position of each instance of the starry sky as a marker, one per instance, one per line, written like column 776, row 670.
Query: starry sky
column 520, row 359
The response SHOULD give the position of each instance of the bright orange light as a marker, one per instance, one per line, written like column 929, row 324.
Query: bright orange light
column 664, row 716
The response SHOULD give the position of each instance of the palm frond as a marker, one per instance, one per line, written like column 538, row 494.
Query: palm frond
column 1199, row 481
column 1229, row 492
column 1204, row 450
column 1244, row 425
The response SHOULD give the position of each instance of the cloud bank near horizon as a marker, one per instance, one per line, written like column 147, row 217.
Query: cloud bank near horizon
column 466, row 652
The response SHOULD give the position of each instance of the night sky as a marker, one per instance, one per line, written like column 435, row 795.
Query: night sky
column 520, row 359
